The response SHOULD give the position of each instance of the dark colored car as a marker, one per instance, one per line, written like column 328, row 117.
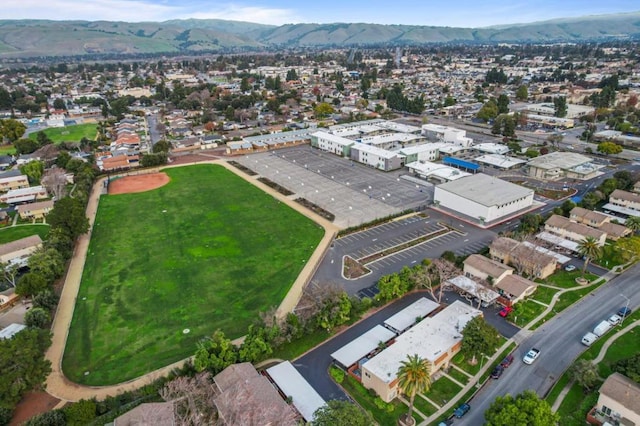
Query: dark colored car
column 497, row 372
column 462, row 410
column 505, row 311
column 506, row 362
column 624, row 312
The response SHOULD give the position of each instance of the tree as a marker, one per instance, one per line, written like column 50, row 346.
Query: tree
column 323, row 110
column 46, row 300
column 414, row 376
column 33, row 170
column 25, row 146
column 585, row 373
column 161, row 146
column 630, row 367
column 194, row 399
column 495, row 75
column 48, row 263
column 49, row 418
column 80, row 413
column 30, row 284
column 503, row 104
column 522, row 94
column 555, row 139
column 37, row 318
column 55, row 180
column 608, row 148
column 525, row 409
column 291, row 75
column 215, row 354
column 489, row 111
column 341, row 413
column 59, row 103
column 560, row 106
column 68, row 214
column 9, row 272
column 633, row 223
column 478, row 338
column 11, row 129
column 590, row 249
column 23, row 364
column 391, row 286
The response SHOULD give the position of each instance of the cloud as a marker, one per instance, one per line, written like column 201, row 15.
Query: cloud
column 142, row 10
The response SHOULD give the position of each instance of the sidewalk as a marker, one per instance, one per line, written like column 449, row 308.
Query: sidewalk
column 59, row 386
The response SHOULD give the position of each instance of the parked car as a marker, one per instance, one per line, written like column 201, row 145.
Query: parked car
column 614, row 319
column 506, row 362
column 570, row 268
column 462, row 410
column 505, row 311
column 602, row 328
column 497, row 372
column 531, row 356
column 589, row 338
column 624, row 312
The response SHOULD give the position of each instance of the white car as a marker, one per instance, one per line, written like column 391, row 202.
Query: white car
column 570, row 268
column 531, row 356
column 614, row 319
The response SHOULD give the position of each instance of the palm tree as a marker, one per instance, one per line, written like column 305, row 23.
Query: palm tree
column 633, row 223
column 414, row 376
column 590, row 249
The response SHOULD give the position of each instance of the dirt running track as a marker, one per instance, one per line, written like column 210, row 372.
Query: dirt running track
column 60, row 387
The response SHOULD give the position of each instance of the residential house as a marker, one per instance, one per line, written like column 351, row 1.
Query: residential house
column 435, row 339
column 600, row 221
column 119, row 162
column 23, row 195
column 618, row 402
column 150, row 413
column 486, row 269
column 629, row 200
column 35, row 210
column 573, row 231
column 525, row 258
column 514, row 288
column 248, row 398
column 17, row 252
column 13, row 179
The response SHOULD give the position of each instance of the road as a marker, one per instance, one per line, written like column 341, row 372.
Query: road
column 154, row 134
column 559, row 342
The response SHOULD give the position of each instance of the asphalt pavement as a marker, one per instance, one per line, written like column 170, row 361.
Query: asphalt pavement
column 559, row 343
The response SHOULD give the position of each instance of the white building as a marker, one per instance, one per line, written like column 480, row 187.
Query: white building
column 376, row 157
column 331, row 143
column 435, row 339
column 483, row 197
column 435, row 171
column 451, row 135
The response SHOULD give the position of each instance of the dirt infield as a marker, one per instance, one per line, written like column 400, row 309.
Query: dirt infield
column 138, row 183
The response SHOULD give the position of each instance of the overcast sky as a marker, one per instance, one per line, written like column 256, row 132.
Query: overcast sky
column 459, row 13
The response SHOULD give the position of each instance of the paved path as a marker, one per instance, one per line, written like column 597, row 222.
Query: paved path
column 597, row 360
column 61, row 387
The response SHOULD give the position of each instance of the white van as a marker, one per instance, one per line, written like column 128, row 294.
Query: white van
column 589, row 338
column 602, row 328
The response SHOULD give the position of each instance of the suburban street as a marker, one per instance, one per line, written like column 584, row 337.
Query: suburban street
column 559, row 343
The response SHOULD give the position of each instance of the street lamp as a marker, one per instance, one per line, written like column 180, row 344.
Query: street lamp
column 626, row 308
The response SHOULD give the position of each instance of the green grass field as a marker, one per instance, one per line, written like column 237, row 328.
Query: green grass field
column 206, row 251
column 13, row 233
column 70, row 133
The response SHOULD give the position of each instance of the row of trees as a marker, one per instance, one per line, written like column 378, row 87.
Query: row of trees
column 22, row 357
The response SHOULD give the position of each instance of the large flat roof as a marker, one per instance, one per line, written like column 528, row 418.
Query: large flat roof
column 358, row 348
column 499, row 160
column 429, row 339
column 291, row 383
column 486, row 190
column 408, row 316
column 559, row 160
column 333, row 138
column 382, row 153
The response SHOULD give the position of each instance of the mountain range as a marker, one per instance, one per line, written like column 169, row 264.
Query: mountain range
column 34, row 38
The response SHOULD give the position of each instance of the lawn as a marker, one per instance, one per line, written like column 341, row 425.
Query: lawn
column 566, row 279
column 7, row 150
column 544, row 294
column 443, row 390
column 69, row 133
column 524, row 312
column 167, row 267
column 13, row 233
column 461, row 377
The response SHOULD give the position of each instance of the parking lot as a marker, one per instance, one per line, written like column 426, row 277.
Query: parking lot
column 462, row 239
column 354, row 193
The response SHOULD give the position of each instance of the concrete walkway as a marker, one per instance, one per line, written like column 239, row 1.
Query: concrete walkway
column 597, row 360
column 60, row 387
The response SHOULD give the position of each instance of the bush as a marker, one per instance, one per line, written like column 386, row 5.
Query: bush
column 5, row 416
column 50, row 418
column 337, row 374
column 80, row 413
column 46, row 300
column 37, row 318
